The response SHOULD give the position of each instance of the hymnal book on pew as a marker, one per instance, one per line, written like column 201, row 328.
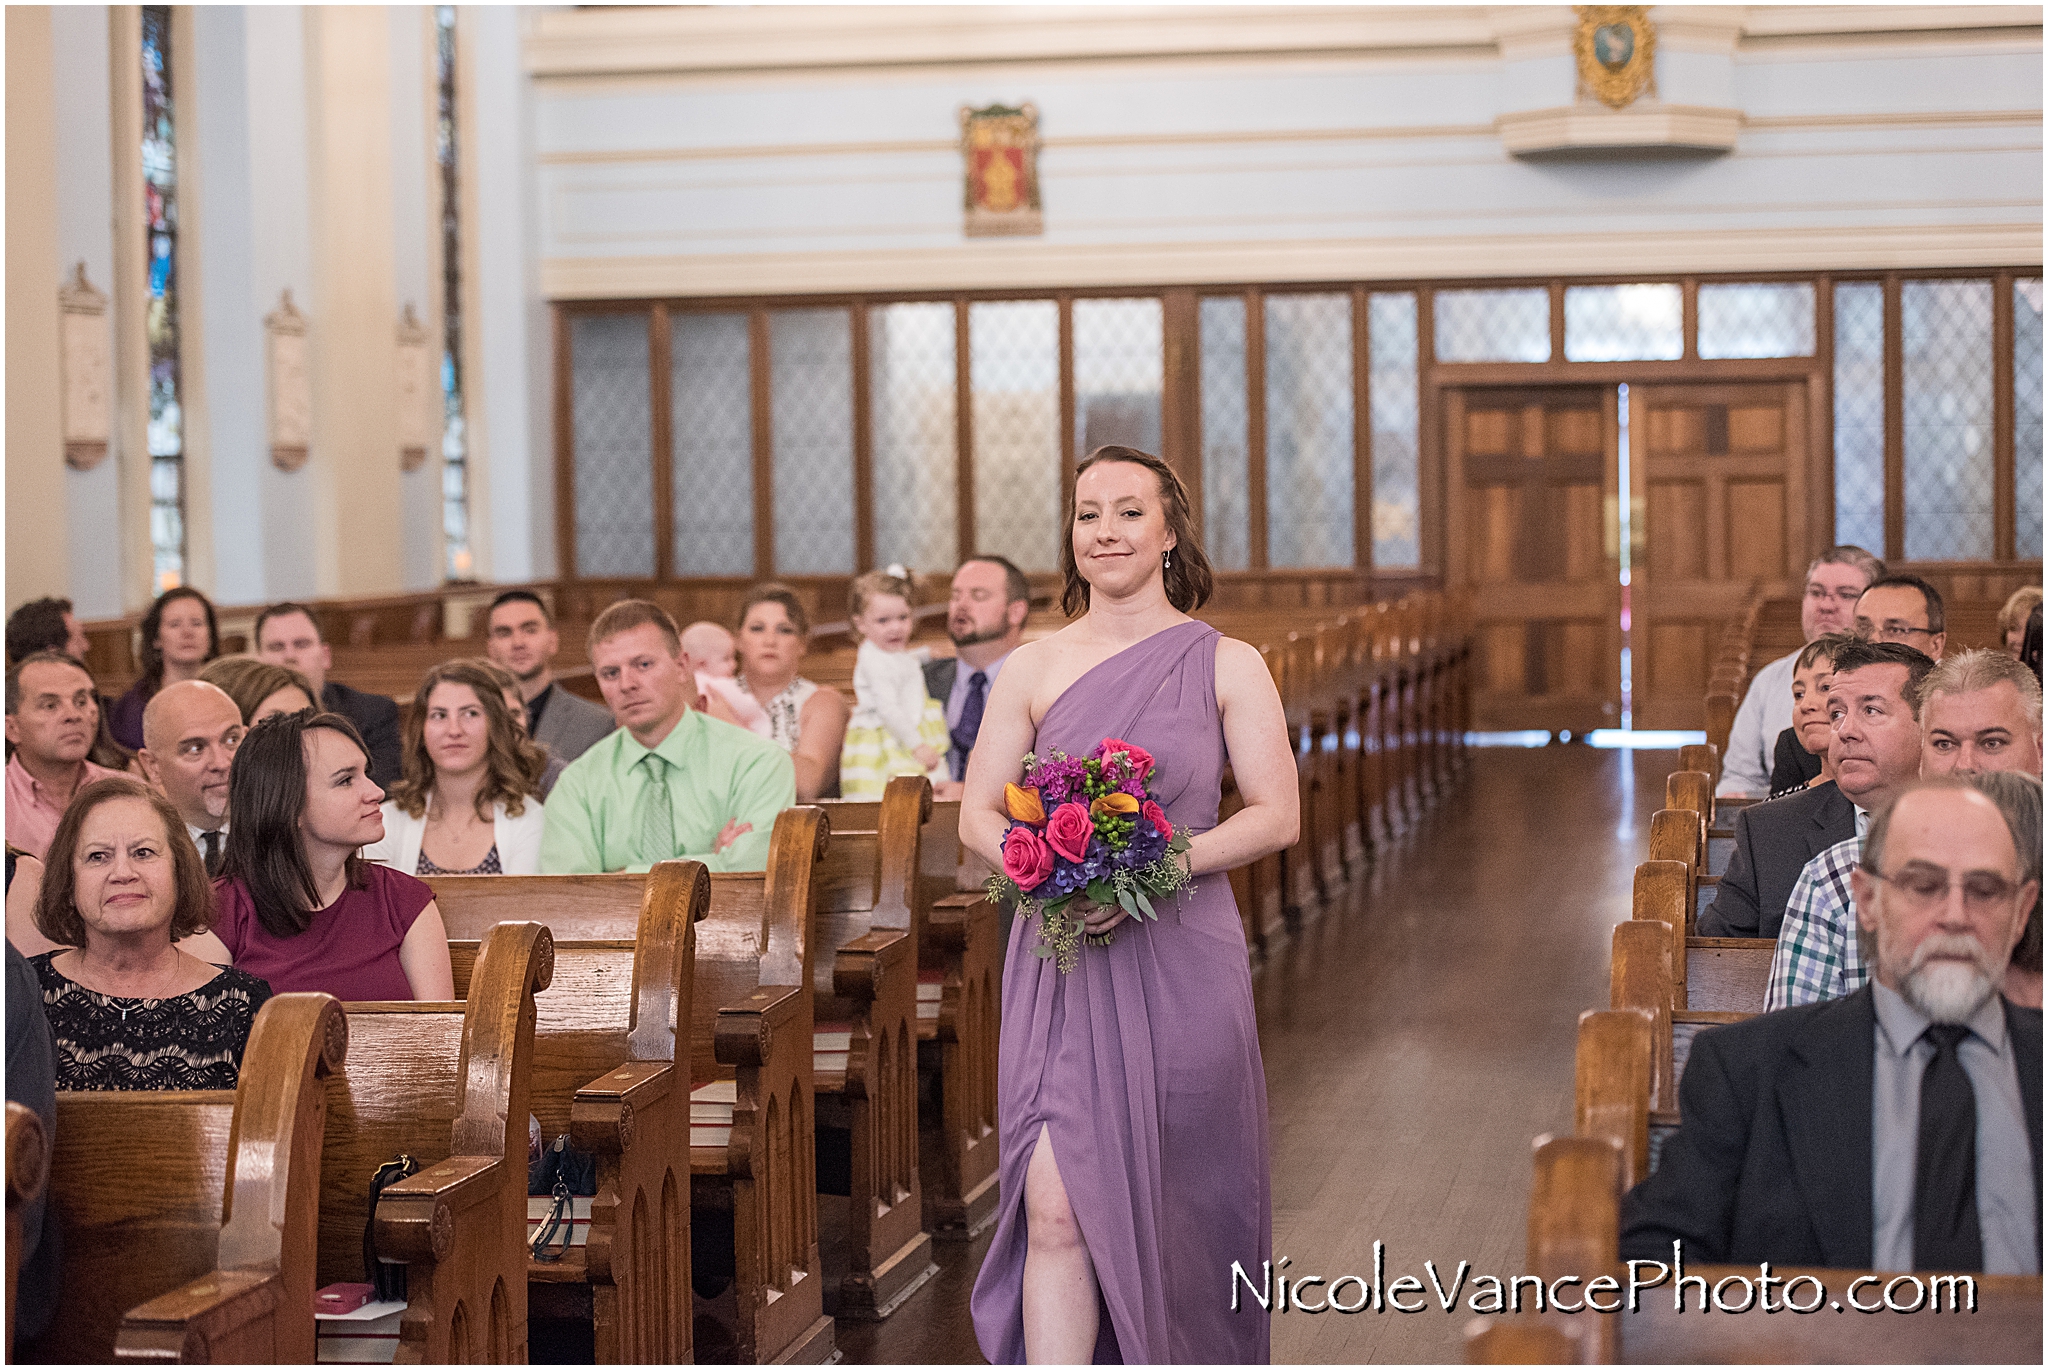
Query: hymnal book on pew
column 352, row 1330
column 711, row 1112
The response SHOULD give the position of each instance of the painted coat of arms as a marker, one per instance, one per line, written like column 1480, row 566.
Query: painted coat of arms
column 1617, row 51
column 1000, row 145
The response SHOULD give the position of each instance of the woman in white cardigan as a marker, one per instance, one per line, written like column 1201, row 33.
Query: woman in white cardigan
column 469, row 802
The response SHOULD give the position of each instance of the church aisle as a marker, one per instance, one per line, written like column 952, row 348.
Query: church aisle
column 1416, row 1036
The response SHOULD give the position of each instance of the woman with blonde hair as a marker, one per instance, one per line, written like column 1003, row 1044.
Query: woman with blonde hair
column 469, row 802
column 2012, row 619
column 260, row 689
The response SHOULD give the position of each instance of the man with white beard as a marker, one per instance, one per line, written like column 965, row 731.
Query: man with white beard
column 1898, row 1128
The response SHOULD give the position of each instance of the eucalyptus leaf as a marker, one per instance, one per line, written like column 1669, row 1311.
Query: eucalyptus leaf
column 1145, row 904
column 1042, row 952
column 1123, row 897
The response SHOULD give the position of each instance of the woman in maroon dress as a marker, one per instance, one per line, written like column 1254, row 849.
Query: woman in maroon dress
column 1130, row 1092
column 295, row 902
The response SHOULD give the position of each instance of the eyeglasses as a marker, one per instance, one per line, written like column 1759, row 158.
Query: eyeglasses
column 1890, row 631
column 1922, row 887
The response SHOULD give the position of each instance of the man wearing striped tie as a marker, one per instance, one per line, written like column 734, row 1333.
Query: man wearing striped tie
column 189, row 734
column 669, row 782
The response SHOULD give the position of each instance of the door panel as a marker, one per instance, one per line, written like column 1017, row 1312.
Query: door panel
column 1532, row 479
column 1722, row 469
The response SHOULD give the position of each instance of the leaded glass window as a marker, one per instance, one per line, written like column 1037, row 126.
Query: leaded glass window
column 1226, row 425
column 1119, row 369
column 1310, row 442
column 712, row 434
column 1756, row 319
column 810, row 356
column 1945, row 331
column 1624, row 323
column 1396, row 430
column 1014, row 367
column 913, row 405
column 2026, row 416
column 1859, row 414
column 454, row 431
column 611, row 425
column 1493, row 325
column 166, row 431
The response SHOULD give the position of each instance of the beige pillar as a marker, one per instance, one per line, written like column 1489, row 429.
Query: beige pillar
column 37, row 552
column 354, row 310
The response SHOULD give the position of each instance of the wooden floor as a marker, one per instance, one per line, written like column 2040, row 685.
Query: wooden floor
column 1417, row 1034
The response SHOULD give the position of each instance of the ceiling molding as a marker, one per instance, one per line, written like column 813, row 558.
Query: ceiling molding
column 1037, row 266
column 1641, row 128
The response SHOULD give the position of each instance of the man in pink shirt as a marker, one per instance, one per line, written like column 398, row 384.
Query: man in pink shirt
column 53, row 714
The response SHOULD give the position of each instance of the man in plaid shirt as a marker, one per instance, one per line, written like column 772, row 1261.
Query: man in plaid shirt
column 1980, row 711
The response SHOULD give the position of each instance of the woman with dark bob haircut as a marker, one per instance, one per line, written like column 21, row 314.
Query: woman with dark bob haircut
column 296, row 902
column 180, row 634
column 129, row 1007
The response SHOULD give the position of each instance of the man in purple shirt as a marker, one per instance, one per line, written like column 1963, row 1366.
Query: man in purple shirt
column 985, row 618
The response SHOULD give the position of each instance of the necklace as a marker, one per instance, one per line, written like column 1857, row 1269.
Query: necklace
column 131, row 1003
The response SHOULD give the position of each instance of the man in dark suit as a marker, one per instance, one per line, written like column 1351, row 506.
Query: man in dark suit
column 1876, row 753
column 1898, row 1128
column 288, row 635
column 519, row 635
column 985, row 618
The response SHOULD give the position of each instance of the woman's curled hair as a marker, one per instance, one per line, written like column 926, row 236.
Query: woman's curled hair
column 266, row 801
column 1189, row 580
column 513, row 762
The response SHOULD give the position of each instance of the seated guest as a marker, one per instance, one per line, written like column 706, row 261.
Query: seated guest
column 32, row 1083
column 897, row 728
column 2018, row 796
column 985, row 618
column 805, row 719
column 1979, row 712
column 520, row 636
column 717, row 661
column 2012, row 619
column 1898, row 1128
column 260, row 690
column 1876, row 752
column 469, row 803
column 1902, row 609
column 192, row 729
column 289, row 635
column 129, row 1007
column 49, row 625
column 508, row 689
column 1802, row 755
column 1834, row 581
column 669, row 782
column 179, row 636
column 297, row 903
column 53, row 714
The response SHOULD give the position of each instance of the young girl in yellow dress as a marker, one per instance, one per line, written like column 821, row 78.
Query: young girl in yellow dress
column 897, row 728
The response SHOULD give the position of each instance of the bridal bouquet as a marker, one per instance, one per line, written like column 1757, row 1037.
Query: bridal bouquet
column 1086, row 825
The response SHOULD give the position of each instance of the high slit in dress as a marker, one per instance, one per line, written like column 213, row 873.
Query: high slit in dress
column 1143, row 1062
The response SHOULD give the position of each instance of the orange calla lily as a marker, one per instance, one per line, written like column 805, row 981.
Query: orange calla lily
column 1023, row 805
column 1118, row 802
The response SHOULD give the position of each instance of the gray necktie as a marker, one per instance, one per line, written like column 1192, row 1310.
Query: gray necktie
column 657, row 814
column 212, row 840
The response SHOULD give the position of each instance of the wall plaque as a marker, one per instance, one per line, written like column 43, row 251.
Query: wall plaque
column 86, row 357
column 1000, row 144
column 415, row 385
column 291, row 385
column 1617, row 52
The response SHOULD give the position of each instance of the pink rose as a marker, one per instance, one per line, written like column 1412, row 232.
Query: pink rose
column 1026, row 858
column 1069, row 829
column 1156, row 816
column 1141, row 760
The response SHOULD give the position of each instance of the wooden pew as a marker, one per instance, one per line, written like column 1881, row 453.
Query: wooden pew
column 864, row 995
column 752, row 1143
column 187, row 1218
column 959, row 1001
column 450, row 1084
column 604, row 1071
column 28, row 1165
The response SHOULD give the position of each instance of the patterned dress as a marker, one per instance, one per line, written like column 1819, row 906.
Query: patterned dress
column 190, row 1041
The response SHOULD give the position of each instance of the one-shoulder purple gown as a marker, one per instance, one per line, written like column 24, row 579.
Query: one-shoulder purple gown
column 1143, row 1062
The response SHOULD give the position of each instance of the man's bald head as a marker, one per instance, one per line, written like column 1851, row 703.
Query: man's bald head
column 711, row 649
column 189, row 734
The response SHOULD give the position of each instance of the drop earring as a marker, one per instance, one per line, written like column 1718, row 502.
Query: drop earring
column 1169, row 561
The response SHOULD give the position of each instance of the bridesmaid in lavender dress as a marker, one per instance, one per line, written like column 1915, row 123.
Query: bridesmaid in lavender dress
column 1131, row 1098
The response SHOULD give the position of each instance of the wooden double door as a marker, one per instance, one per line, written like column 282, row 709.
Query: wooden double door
column 1717, row 508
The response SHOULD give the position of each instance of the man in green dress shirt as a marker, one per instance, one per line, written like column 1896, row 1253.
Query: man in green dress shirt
column 670, row 782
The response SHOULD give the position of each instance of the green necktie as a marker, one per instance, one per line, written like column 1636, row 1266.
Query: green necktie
column 657, row 814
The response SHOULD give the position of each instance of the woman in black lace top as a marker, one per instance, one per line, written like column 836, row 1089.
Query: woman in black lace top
column 128, row 1008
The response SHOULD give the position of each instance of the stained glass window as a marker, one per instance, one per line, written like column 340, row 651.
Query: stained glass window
column 1014, row 367
column 1756, row 319
column 1859, row 414
column 913, row 404
column 611, row 425
column 2026, row 415
column 710, row 386
column 160, row 211
column 1624, row 323
column 1310, row 442
column 454, row 434
column 1226, row 497
column 1945, row 331
column 1396, row 430
column 810, row 361
column 1119, row 367
column 1493, row 325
